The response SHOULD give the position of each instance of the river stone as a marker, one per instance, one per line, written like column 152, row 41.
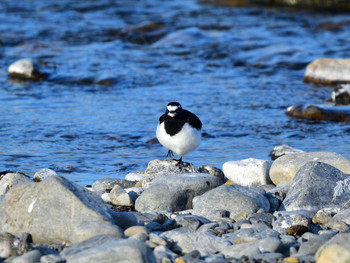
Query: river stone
column 283, row 169
column 111, row 250
column 246, row 235
column 30, row 257
column 120, row 197
column 24, row 69
column 249, row 172
column 42, row 174
column 311, row 246
column 202, row 241
column 337, row 249
column 235, row 199
column 106, row 184
column 179, row 188
column 11, row 179
column 341, row 95
column 328, row 70
column 159, row 167
column 287, row 219
column 55, row 211
column 318, row 185
column 343, row 216
column 281, row 150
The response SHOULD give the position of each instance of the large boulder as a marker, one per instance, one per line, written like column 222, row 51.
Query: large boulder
column 328, row 70
column 318, row 185
column 283, row 169
column 248, row 172
column 175, row 192
column 55, row 211
column 234, row 199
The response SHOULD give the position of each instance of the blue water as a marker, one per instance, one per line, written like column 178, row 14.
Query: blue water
column 237, row 68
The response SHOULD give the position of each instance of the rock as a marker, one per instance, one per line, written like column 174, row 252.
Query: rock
column 11, row 179
column 281, row 150
column 134, row 193
column 134, row 230
column 343, row 216
column 246, row 235
column 24, row 69
column 135, row 176
column 109, row 250
column 235, row 199
column 311, row 246
column 52, row 258
column 120, row 197
column 164, row 167
column 284, row 168
column 213, row 171
column 42, row 174
column 268, row 257
column 320, row 112
column 318, row 185
column 55, row 211
column 267, row 245
column 287, row 219
column 30, row 257
column 341, row 95
column 106, row 185
column 327, row 220
column 164, row 254
column 191, row 221
column 179, row 188
column 328, row 71
column 202, row 241
column 337, row 249
column 249, row 172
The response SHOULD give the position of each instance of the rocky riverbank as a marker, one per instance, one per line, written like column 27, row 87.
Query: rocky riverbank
column 293, row 209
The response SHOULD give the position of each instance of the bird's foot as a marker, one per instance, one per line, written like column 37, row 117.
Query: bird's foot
column 179, row 163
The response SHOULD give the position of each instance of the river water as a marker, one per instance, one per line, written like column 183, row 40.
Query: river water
column 111, row 73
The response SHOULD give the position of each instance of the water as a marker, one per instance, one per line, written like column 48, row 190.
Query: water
column 108, row 84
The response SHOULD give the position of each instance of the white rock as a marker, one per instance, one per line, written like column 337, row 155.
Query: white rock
column 43, row 173
column 23, row 67
column 106, row 197
column 135, row 176
column 249, row 172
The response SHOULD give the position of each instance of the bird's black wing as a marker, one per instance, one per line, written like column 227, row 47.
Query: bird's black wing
column 192, row 119
column 161, row 118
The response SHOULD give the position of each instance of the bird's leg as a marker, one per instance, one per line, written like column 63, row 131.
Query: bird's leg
column 170, row 154
column 179, row 162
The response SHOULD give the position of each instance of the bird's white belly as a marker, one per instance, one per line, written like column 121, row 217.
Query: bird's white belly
column 181, row 143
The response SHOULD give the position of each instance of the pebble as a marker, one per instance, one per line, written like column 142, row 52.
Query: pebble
column 120, row 197
column 24, row 69
column 249, row 172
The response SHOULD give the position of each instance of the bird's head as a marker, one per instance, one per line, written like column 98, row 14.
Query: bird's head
column 172, row 108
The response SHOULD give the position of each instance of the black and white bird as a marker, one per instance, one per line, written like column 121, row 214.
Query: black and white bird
column 179, row 131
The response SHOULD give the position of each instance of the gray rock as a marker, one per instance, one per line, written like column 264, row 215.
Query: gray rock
column 251, row 234
column 249, row 172
column 140, row 236
column 114, row 250
column 265, row 218
column 344, row 216
column 42, row 174
column 30, row 257
column 180, row 189
column 106, row 185
column 328, row 70
column 318, row 185
column 201, row 241
column 234, row 198
column 159, row 167
column 213, row 171
column 284, row 169
column 312, row 245
column 55, row 211
column 269, row 257
column 134, row 192
column 52, row 258
column 191, row 221
column 281, row 150
column 341, row 95
column 286, row 219
column 11, row 179
column 267, row 245
column 120, row 197
column 325, row 218
column 164, row 254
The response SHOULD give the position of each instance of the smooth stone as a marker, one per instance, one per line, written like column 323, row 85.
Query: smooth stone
column 135, row 176
column 140, row 236
column 52, row 258
column 322, row 217
column 279, row 192
column 201, row 241
column 328, row 70
column 320, row 112
column 337, row 249
column 43, row 173
column 284, row 169
column 315, row 186
column 344, row 216
column 164, row 254
column 9, row 180
column 269, row 257
column 134, row 230
column 159, row 167
column 311, row 246
column 265, row 218
column 106, row 184
column 157, row 239
column 191, row 221
column 254, row 233
column 180, row 189
column 248, row 172
column 281, row 150
column 341, row 95
column 213, row 171
column 286, row 219
column 120, row 197
column 30, row 257
column 134, row 192
column 55, row 211
column 115, row 250
column 235, row 199
column 266, row 245
column 106, row 197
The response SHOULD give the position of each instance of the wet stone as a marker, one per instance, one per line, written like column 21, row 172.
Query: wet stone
column 341, row 95
column 24, row 69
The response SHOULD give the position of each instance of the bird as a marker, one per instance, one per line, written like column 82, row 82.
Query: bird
column 179, row 131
